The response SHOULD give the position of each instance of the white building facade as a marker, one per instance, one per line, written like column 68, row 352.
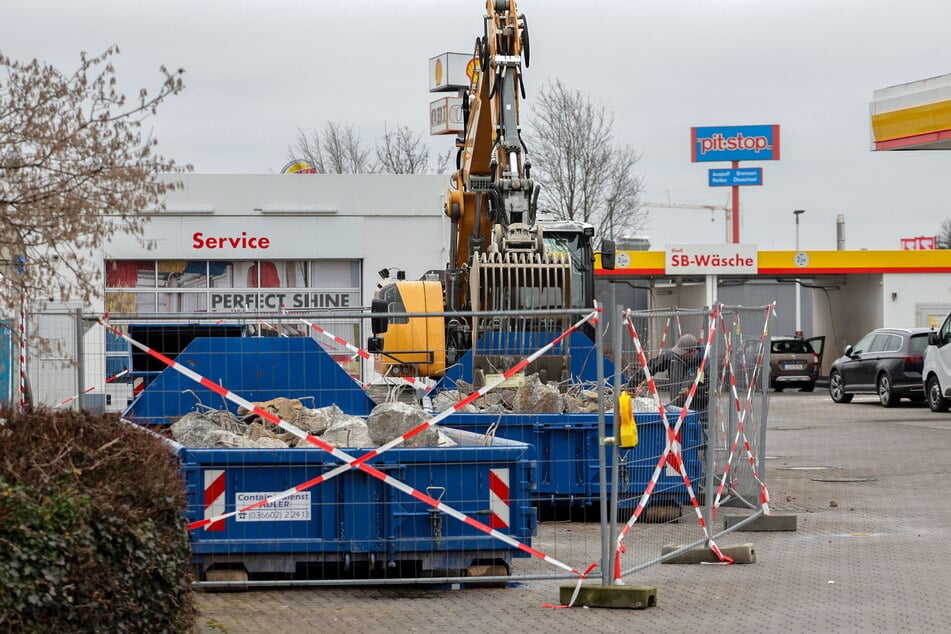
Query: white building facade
column 227, row 245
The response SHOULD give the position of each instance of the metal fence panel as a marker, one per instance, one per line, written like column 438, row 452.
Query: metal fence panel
column 731, row 396
column 520, row 498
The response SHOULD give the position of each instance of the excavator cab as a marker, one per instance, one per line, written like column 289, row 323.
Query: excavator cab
column 412, row 346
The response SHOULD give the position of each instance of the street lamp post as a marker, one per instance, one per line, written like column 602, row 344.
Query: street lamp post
column 797, row 213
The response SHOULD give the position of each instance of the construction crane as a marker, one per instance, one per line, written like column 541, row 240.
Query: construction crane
column 728, row 211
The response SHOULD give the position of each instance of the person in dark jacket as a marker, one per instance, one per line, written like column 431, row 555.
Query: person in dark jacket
column 680, row 363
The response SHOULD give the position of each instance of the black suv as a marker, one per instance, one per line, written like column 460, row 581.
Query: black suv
column 886, row 362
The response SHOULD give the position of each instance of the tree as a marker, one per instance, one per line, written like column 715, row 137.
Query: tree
column 337, row 150
column 402, row 152
column 944, row 234
column 340, row 150
column 583, row 173
column 445, row 162
column 76, row 166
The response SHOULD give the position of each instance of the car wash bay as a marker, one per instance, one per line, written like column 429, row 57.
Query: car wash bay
column 844, row 294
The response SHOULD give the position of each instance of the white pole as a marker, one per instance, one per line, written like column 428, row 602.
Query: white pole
column 797, row 213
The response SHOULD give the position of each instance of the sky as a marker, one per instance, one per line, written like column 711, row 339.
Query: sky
column 257, row 70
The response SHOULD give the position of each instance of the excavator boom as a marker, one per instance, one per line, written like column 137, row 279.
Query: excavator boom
column 502, row 257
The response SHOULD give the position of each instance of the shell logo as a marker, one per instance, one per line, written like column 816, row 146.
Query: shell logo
column 438, row 72
column 299, row 167
column 472, row 69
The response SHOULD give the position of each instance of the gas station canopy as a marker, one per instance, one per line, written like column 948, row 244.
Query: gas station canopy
column 912, row 116
column 786, row 263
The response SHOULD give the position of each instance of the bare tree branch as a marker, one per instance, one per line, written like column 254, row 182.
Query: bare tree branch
column 445, row 162
column 337, row 150
column 584, row 175
column 944, row 234
column 400, row 151
column 76, row 166
column 307, row 148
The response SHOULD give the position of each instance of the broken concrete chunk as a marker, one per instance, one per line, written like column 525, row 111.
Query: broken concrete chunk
column 537, row 397
column 222, row 438
column 392, row 420
column 347, row 433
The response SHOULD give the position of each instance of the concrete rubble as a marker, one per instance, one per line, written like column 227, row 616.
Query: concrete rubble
column 532, row 397
column 389, row 420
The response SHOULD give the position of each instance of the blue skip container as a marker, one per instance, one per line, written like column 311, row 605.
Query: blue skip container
column 257, row 368
column 355, row 525
column 567, row 453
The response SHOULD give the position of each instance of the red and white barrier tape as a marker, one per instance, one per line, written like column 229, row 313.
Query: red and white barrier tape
column 360, row 463
column 280, row 333
column 674, row 447
column 723, row 373
column 91, row 389
column 672, row 450
column 741, row 411
column 663, row 336
column 24, row 397
column 346, row 344
column 361, row 352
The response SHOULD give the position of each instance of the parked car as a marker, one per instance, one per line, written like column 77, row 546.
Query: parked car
column 887, row 362
column 792, row 363
column 937, row 368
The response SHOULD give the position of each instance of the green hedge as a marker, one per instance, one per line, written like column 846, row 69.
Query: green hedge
column 91, row 528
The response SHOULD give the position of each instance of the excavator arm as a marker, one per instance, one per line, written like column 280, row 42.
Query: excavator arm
column 491, row 200
column 503, row 258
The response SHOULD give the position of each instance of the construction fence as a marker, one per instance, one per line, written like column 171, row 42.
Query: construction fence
column 307, row 463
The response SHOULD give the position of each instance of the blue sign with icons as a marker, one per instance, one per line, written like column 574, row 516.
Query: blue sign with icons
column 735, row 177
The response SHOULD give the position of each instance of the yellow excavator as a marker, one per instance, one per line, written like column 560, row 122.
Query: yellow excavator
column 505, row 257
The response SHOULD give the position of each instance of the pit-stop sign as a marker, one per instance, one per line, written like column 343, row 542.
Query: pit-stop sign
column 734, row 143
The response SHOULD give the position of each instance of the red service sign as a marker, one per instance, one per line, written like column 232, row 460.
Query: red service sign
column 229, row 242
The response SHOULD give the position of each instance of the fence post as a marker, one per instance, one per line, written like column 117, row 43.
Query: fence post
column 710, row 427
column 80, row 363
column 615, row 449
column 606, row 560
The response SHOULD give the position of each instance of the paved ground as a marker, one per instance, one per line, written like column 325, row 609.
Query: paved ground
column 868, row 486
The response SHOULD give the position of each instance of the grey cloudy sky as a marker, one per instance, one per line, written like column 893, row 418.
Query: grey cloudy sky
column 256, row 70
